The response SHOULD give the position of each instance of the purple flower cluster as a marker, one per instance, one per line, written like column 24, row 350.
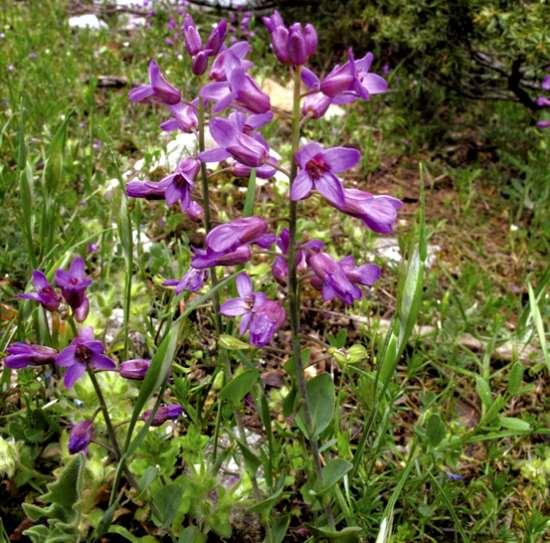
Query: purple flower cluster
column 239, row 143
column 72, row 283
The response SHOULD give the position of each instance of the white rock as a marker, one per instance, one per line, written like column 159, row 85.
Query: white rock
column 88, row 20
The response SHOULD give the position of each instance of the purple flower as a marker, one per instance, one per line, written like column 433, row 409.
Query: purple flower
column 183, row 116
column 21, row 355
column 45, row 294
column 353, row 80
column 273, row 21
column 237, row 138
column 260, row 316
column 208, row 259
column 176, row 187
column 73, row 284
column 317, row 168
column 542, row 101
column 164, row 412
column 379, row 213
column 180, row 183
column 192, row 281
column 191, row 36
column 229, row 236
column 265, row 321
column 279, row 268
column 229, row 59
column 239, row 88
column 83, row 352
column 293, row 45
column 215, row 40
column 545, row 85
column 340, row 279
column 199, row 64
column 150, row 190
column 244, row 304
column 80, row 436
column 158, row 90
column 134, row 369
column 315, row 105
column 543, row 124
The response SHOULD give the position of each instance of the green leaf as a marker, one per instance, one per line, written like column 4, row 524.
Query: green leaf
column 515, row 378
column 266, row 505
column 232, row 343
column 335, row 469
column 66, row 490
column 166, row 503
column 192, row 534
column 158, row 370
column 124, row 532
column 26, row 222
column 349, row 534
column 435, row 430
column 537, row 320
column 147, row 478
column 248, row 209
column 515, row 424
column 320, row 391
column 251, row 460
column 276, row 530
column 484, row 392
column 240, row 386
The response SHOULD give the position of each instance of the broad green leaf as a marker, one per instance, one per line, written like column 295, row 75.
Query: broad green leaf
column 435, row 430
column 320, row 391
column 66, row 490
column 240, row 386
column 166, row 502
column 513, row 423
column 335, row 469
column 192, row 534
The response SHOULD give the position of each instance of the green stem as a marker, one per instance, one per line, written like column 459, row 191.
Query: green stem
column 105, row 411
column 294, row 294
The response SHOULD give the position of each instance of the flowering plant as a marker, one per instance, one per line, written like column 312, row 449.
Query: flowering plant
column 232, row 111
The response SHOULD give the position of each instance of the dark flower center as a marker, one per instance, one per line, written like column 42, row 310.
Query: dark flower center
column 316, row 167
column 73, row 281
column 83, row 354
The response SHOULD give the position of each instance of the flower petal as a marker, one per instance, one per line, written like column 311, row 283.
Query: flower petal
column 331, row 188
column 73, row 374
column 244, row 285
column 301, row 187
column 66, row 357
column 102, row 362
column 234, row 307
column 341, row 158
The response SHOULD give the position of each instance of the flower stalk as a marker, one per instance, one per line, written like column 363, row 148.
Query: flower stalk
column 294, row 291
